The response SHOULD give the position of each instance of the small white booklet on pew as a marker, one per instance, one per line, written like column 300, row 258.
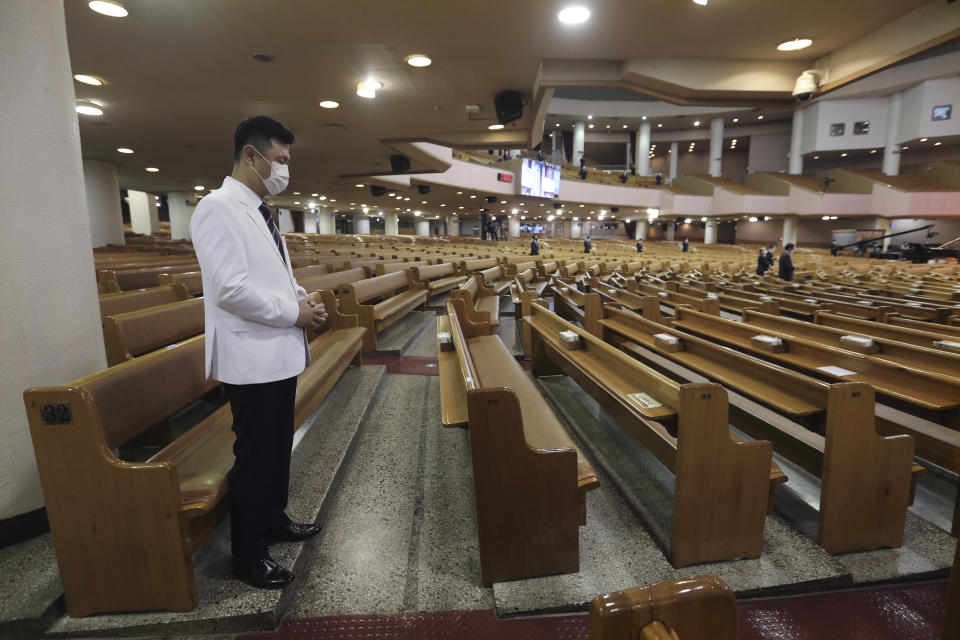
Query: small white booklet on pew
column 837, row 371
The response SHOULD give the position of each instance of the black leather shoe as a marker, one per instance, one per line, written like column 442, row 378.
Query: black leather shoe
column 293, row 532
column 263, row 573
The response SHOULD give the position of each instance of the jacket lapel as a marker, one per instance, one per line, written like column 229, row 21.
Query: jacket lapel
column 257, row 219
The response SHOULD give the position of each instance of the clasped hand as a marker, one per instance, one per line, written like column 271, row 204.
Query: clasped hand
column 313, row 315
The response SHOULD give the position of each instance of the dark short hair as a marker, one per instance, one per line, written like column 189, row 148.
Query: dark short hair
column 259, row 131
column 789, row 246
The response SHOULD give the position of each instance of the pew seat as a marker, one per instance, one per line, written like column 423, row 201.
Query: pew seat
column 381, row 301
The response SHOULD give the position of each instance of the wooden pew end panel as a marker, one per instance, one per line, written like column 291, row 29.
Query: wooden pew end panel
column 528, row 502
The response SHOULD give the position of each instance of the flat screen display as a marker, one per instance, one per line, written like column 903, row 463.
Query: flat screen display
column 539, row 179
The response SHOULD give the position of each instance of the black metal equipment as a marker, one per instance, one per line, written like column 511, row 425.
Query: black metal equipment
column 916, row 252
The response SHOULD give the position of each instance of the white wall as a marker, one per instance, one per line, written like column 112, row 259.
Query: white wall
column 818, row 119
column 50, row 319
column 917, row 110
column 180, row 214
column 144, row 217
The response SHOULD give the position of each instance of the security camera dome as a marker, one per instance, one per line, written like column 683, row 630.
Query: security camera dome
column 807, row 85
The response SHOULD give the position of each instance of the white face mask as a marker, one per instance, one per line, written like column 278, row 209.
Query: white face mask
column 278, row 179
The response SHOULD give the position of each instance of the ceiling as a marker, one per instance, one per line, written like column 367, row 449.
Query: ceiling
column 179, row 73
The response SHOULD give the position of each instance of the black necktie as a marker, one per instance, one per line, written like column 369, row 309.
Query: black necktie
column 265, row 211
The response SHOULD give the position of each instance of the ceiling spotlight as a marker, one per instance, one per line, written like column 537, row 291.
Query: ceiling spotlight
column 152, row 169
column 574, row 15
column 624, row 126
column 589, row 117
column 108, row 8
column 495, row 127
column 418, row 60
column 760, row 117
column 358, row 186
column 702, row 3
column 124, row 150
column 794, row 45
column 937, row 144
column 88, row 79
column 368, row 88
column 199, row 188
column 736, row 120
column 591, row 126
column 923, row 139
column 89, row 109
column 329, row 104
column 843, row 155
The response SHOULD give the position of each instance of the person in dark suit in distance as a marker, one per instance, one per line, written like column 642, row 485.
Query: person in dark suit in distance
column 255, row 320
column 786, row 263
column 639, row 245
column 534, row 247
column 686, row 245
column 770, row 257
column 762, row 262
column 587, row 245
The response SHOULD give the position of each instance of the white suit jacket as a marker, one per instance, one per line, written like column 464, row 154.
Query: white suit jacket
column 249, row 292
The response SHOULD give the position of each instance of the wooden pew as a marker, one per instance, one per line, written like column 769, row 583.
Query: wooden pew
column 113, row 281
column 473, row 265
column 132, row 334
column 310, row 270
column 571, row 304
column 914, row 357
column 439, row 277
column 482, row 305
column 723, row 488
column 390, row 296
column 951, row 329
column 934, row 396
column 333, row 281
column 547, row 268
column 634, row 301
column 125, row 532
column 113, row 303
column 191, row 279
column 494, row 278
column 698, row 608
column 919, row 337
column 527, row 280
column 530, row 479
column 858, row 509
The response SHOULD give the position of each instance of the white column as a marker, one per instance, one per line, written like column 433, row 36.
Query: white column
column 180, row 213
column 716, row 147
column 579, row 131
column 453, row 226
column 326, row 223
column 143, row 214
column 710, row 233
column 891, row 152
column 284, row 221
column 641, row 233
column 361, row 225
column 513, row 227
column 423, row 227
column 103, row 202
column 789, row 230
column 884, row 224
column 795, row 165
column 671, row 231
column 50, row 320
column 391, row 223
column 643, row 149
column 575, row 229
column 674, row 153
column 556, row 146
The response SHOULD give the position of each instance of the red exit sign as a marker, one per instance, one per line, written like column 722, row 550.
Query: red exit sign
column 505, row 177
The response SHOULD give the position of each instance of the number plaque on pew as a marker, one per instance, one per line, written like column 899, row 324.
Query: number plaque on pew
column 56, row 413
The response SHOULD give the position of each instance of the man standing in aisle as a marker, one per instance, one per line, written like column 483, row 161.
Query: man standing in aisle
column 786, row 263
column 256, row 345
column 587, row 245
column 534, row 247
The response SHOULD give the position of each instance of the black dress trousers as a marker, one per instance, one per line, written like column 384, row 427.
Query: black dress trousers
column 260, row 478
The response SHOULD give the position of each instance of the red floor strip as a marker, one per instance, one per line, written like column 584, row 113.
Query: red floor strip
column 902, row 612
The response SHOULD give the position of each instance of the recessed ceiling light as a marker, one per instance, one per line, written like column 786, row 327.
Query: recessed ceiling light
column 495, row 127
column 557, row 125
column 88, row 79
column 473, row 196
column 760, row 117
column 199, row 188
column 574, row 15
column 702, row 3
column 904, row 147
column 589, row 117
column 696, row 123
column 124, row 150
column 329, row 104
column 923, row 139
column 296, row 202
column 368, row 88
column 591, row 126
column 608, row 126
column 937, row 144
column 816, row 157
column 873, row 150
column 152, row 169
column 624, row 126
column 109, row 8
column 843, row 155
column 736, row 120
column 89, row 109
column 418, row 60
column 794, row 45
column 358, row 186
column 659, row 125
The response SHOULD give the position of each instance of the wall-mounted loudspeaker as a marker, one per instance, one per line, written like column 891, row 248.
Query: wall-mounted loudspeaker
column 557, row 205
column 377, row 190
column 614, row 209
column 399, row 163
column 423, row 189
column 491, row 199
column 509, row 106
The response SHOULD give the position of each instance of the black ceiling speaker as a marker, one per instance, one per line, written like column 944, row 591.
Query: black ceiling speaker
column 557, row 205
column 491, row 199
column 614, row 209
column 399, row 163
column 423, row 189
column 509, row 106
column 377, row 190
